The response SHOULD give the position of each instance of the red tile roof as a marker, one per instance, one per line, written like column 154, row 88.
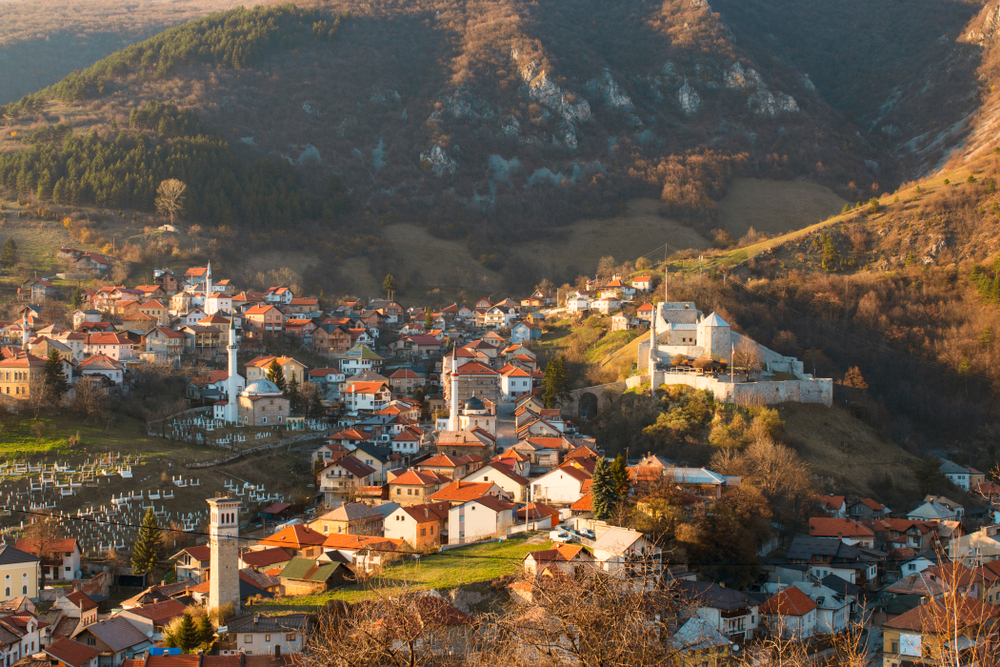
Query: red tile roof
column 789, row 602
column 294, row 537
column 459, row 491
column 159, row 612
column 830, row 527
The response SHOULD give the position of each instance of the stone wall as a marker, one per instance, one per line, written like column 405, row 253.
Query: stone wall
column 766, row 392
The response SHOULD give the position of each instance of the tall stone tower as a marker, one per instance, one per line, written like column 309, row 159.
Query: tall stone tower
column 223, row 534
column 208, row 281
column 232, row 388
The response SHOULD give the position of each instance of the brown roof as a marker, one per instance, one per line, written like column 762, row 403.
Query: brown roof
column 294, row 537
column 159, row 612
column 265, row 557
column 829, row 527
column 932, row 616
column 428, row 511
column 82, row 600
column 459, row 491
column 72, row 653
column 30, row 545
column 117, row 633
column 416, row 478
column 493, row 503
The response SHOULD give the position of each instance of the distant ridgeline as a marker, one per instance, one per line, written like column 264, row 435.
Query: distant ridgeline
column 124, row 170
column 237, row 38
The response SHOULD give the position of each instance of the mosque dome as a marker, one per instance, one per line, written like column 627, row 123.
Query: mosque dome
column 262, row 387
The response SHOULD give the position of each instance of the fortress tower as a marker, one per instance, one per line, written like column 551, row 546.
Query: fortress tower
column 223, row 534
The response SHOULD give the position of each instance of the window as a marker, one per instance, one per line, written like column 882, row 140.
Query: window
column 24, row 590
column 267, row 638
column 248, row 639
column 290, row 637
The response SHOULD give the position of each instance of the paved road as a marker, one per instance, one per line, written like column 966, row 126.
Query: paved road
column 506, row 430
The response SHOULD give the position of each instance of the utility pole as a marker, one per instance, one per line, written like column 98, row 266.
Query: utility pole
column 666, row 276
column 732, row 361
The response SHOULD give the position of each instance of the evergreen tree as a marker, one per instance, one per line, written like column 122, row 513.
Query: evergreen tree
column 619, row 476
column 276, row 375
column 8, row 257
column 602, row 489
column 206, row 633
column 389, row 285
column 187, row 637
column 315, row 406
column 294, row 396
column 55, row 380
column 555, row 385
column 146, row 552
column 429, row 320
column 77, row 299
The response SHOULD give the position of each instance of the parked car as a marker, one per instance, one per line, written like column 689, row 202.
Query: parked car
column 560, row 536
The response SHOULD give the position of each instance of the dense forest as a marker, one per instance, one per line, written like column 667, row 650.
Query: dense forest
column 124, row 170
column 237, row 38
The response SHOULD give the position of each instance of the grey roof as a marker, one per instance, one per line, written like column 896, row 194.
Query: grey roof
column 952, row 468
column 840, row 586
column 10, row 555
column 117, row 633
column 711, row 594
column 804, row 547
column 262, row 623
column 352, row 512
column 713, row 320
column 697, row 635
column 379, row 453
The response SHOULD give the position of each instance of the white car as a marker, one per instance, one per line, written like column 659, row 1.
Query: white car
column 560, row 536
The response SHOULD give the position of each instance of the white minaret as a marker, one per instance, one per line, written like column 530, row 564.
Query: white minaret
column 453, row 388
column 652, row 344
column 232, row 389
column 223, row 541
column 208, row 282
column 25, row 331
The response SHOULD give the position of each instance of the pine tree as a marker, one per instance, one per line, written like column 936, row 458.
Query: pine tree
column 55, row 380
column 77, row 299
column 8, row 257
column 206, row 633
column 555, row 385
column 315, row 406
column 275, row 375
column 294, row 396
column 429, row 320
column 602, row 489
column 187, row 637
column 620, row 478
column 146, row 552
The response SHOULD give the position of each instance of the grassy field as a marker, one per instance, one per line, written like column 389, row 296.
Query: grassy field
column 775, row 207
column 457, row 567
column 847, row 453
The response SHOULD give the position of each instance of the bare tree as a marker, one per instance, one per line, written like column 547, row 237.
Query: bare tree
column 44, row 533
column 170, row 198
column 747, row 357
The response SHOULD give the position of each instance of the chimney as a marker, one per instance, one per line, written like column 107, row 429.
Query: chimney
column 722, row 584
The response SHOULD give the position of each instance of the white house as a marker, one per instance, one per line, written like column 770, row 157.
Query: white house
column 515, row 382
column 479, row 519
column 561, row 486
column 731, row 612
column 642, row 283
column 366, row 396
column 218, row 303
column 791, row 614
column 503, row 476
column 606, row 305
column 629, row 553
column 359, row 359
column 832, row 610
column 577, row 304
column 259, row 634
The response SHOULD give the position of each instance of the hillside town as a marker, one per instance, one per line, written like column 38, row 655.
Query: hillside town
column 434, row 438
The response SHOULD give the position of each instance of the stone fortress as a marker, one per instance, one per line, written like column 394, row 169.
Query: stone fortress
column 680, row 328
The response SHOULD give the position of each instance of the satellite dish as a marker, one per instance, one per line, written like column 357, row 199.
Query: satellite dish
column 150, row 634
column 736, row 647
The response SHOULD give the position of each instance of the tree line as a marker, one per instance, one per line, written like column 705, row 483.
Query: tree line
column 237, row 38
column 124, row 170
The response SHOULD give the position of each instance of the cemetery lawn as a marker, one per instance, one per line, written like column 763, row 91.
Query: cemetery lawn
column 51, row 434
column 476, row 563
